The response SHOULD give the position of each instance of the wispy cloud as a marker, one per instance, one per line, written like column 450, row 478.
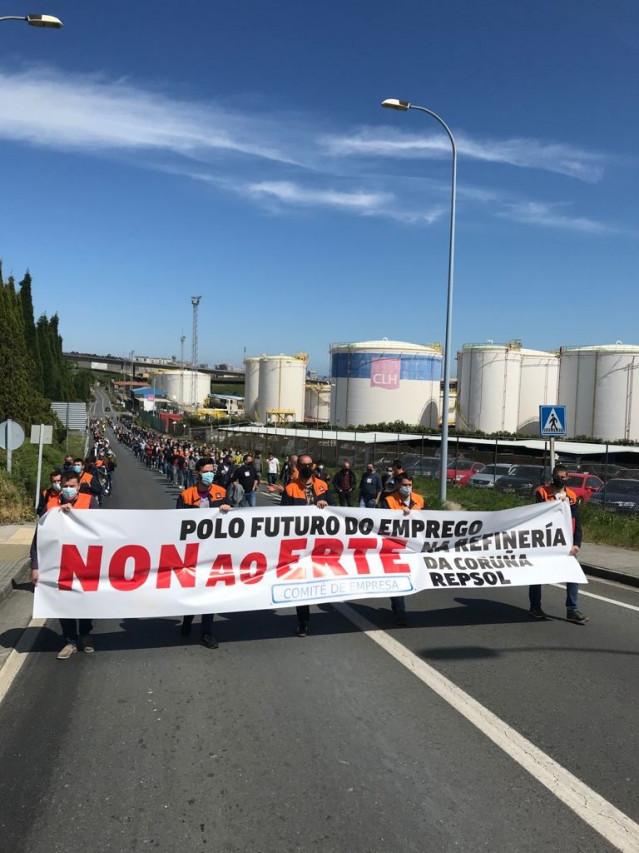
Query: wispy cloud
column 525, row 153
column 547, row 215
column 279, row 165
column 47, row 109
column 362, row 202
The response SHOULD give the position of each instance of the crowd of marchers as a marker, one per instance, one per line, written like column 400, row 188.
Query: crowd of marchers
column 226, row 478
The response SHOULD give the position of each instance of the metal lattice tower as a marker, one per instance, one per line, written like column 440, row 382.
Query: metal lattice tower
column 182, row 339
column 195, row 301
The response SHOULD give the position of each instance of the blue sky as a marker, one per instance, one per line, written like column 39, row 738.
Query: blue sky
column 154, row 151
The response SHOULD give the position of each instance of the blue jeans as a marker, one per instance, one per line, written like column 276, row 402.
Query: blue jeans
column 572, row 593
column 249, row 498
column 398, row 605
column 272, row 479
column 367, row 503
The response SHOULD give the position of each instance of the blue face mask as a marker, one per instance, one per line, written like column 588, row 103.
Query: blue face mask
column 69, row 492
column 405, row 491
column 77, row 468
column 207, row 478
column 56, row 486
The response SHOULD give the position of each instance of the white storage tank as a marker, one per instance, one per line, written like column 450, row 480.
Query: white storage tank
column 317, row 407
column 251, row 386
column 539, row 387
column 176, row 385
column 501, row 387
column 599, row 385
column 381, row 381
column 282, row 382
column 489, row 380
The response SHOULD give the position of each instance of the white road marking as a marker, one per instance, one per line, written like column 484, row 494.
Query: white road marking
column 600, row 597
column 19, row 655
column 602, row 816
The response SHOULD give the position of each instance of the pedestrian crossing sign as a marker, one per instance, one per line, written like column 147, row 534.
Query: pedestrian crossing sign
column 552, row 421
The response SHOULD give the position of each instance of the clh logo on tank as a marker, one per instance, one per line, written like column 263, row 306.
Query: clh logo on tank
column 385, row 373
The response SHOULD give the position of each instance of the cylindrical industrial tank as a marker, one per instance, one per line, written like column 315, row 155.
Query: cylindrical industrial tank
column 177, row 386
column 282, row 383
column 251, row 386
column 599, row 385
column 382, row 381
column 539, row 386
column 489, row 379
column 317, row 406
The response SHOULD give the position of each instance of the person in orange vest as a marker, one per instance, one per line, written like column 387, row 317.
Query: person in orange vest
column 46, row 494
column 405, row 499
column 205, row 494
column 305, row 490
column 68, row 498
column 89, row 481
column 557, row 491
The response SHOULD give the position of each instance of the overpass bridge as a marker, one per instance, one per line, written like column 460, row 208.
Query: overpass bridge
column 141, row 364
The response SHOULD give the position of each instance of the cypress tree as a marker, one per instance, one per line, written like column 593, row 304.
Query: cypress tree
column 26, row 300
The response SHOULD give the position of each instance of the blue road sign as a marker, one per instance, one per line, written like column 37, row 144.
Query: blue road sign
column 552, row 421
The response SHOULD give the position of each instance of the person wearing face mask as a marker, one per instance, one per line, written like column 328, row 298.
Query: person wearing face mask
column 205, row 494
column 54, row 489
column 89, row 481
column 557, row 491
column 344, row 483
column 67, row 498
column 370, row 488
column 305, row 490
column 405, row 499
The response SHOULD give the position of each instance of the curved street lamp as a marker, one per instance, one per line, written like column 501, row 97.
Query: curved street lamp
column 36, row 20
column 404, row 106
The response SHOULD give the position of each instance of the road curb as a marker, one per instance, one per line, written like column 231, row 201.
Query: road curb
column 19, row 574
column 610, row 575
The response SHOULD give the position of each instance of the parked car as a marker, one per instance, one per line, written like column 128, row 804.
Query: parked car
column 620, row 496
column 583, row 485
column 487, row 478
column 523, row 480
column 461, row 470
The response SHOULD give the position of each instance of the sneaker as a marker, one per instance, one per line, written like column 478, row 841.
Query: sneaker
column 87, row 644
column 209, row 641
column 185, row 628
column 576, row 616
column 537, row 613
column 302, row 629
column 67, row 651
column 400, row 620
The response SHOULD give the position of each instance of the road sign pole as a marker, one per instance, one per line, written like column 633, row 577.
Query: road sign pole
column 7, row 443
column 552, row 455
column 40, row 446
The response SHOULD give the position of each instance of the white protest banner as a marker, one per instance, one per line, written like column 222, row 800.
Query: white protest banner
column 140, row 563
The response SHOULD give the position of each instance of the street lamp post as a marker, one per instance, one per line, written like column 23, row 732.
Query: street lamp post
column 404, row 106
column 48, row 21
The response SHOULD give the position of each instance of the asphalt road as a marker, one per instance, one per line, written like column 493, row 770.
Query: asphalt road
column 276, row 744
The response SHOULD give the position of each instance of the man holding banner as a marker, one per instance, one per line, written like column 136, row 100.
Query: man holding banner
column 405, row 499
column 305, row 490
column 203, row 495
column 68, row 498
column 557, row 491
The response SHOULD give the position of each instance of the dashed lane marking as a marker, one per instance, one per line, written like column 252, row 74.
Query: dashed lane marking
column 612, row 824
